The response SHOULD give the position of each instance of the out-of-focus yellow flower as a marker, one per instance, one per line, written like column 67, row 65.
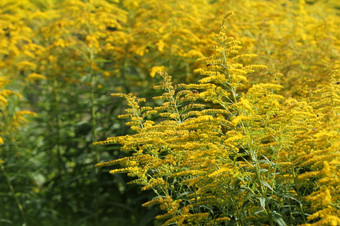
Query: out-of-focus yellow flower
column 156, row 69
column 160, row 45
column 34, row 76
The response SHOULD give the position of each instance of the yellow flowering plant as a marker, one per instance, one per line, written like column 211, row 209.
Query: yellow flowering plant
column 221, row 143
column 11, row 121
column 296, row 38
column 168, row 34
column 226, row 154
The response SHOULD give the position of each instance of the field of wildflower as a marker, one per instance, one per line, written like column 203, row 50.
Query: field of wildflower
column 173, row 112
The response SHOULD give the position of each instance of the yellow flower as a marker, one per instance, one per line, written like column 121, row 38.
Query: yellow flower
column 34, row 76
column 156, row 69
column 160, row 44
column 326, row 198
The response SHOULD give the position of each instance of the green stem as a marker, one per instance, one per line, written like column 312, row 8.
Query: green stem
column 263, row 193
column 299, row 196
column 196, row 198
column 179, row 120
column 14, row 195
column 93, row 105
column 57, row 121
column 93, row 114
column 56, row 112
column 94, row 133
column 187, row 70
column 232, row 89
column 12, row 149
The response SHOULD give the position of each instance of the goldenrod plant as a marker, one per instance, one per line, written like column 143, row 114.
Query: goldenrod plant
column 171, row 34
column 296, row 38
column 248, row 119
column 321, row 154
column 11, row 122
column 226, row 155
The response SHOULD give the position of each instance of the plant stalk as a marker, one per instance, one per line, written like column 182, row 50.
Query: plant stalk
column 21, row 209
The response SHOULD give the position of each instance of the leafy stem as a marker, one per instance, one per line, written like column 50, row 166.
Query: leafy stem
column 21, row 209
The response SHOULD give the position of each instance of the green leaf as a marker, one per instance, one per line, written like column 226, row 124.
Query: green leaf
column 237, row 183
column 262, row 202
column 5, row 221
column 265, row 183
column 278, row 219
column 291, row 197
column 258, row 212
column 183, row 194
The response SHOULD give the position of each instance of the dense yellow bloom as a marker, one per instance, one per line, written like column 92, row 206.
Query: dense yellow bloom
column 227, row 140
column 253, row 138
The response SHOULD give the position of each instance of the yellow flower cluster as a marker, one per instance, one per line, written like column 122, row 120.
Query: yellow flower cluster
column 227, row 144
column 225, row 150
